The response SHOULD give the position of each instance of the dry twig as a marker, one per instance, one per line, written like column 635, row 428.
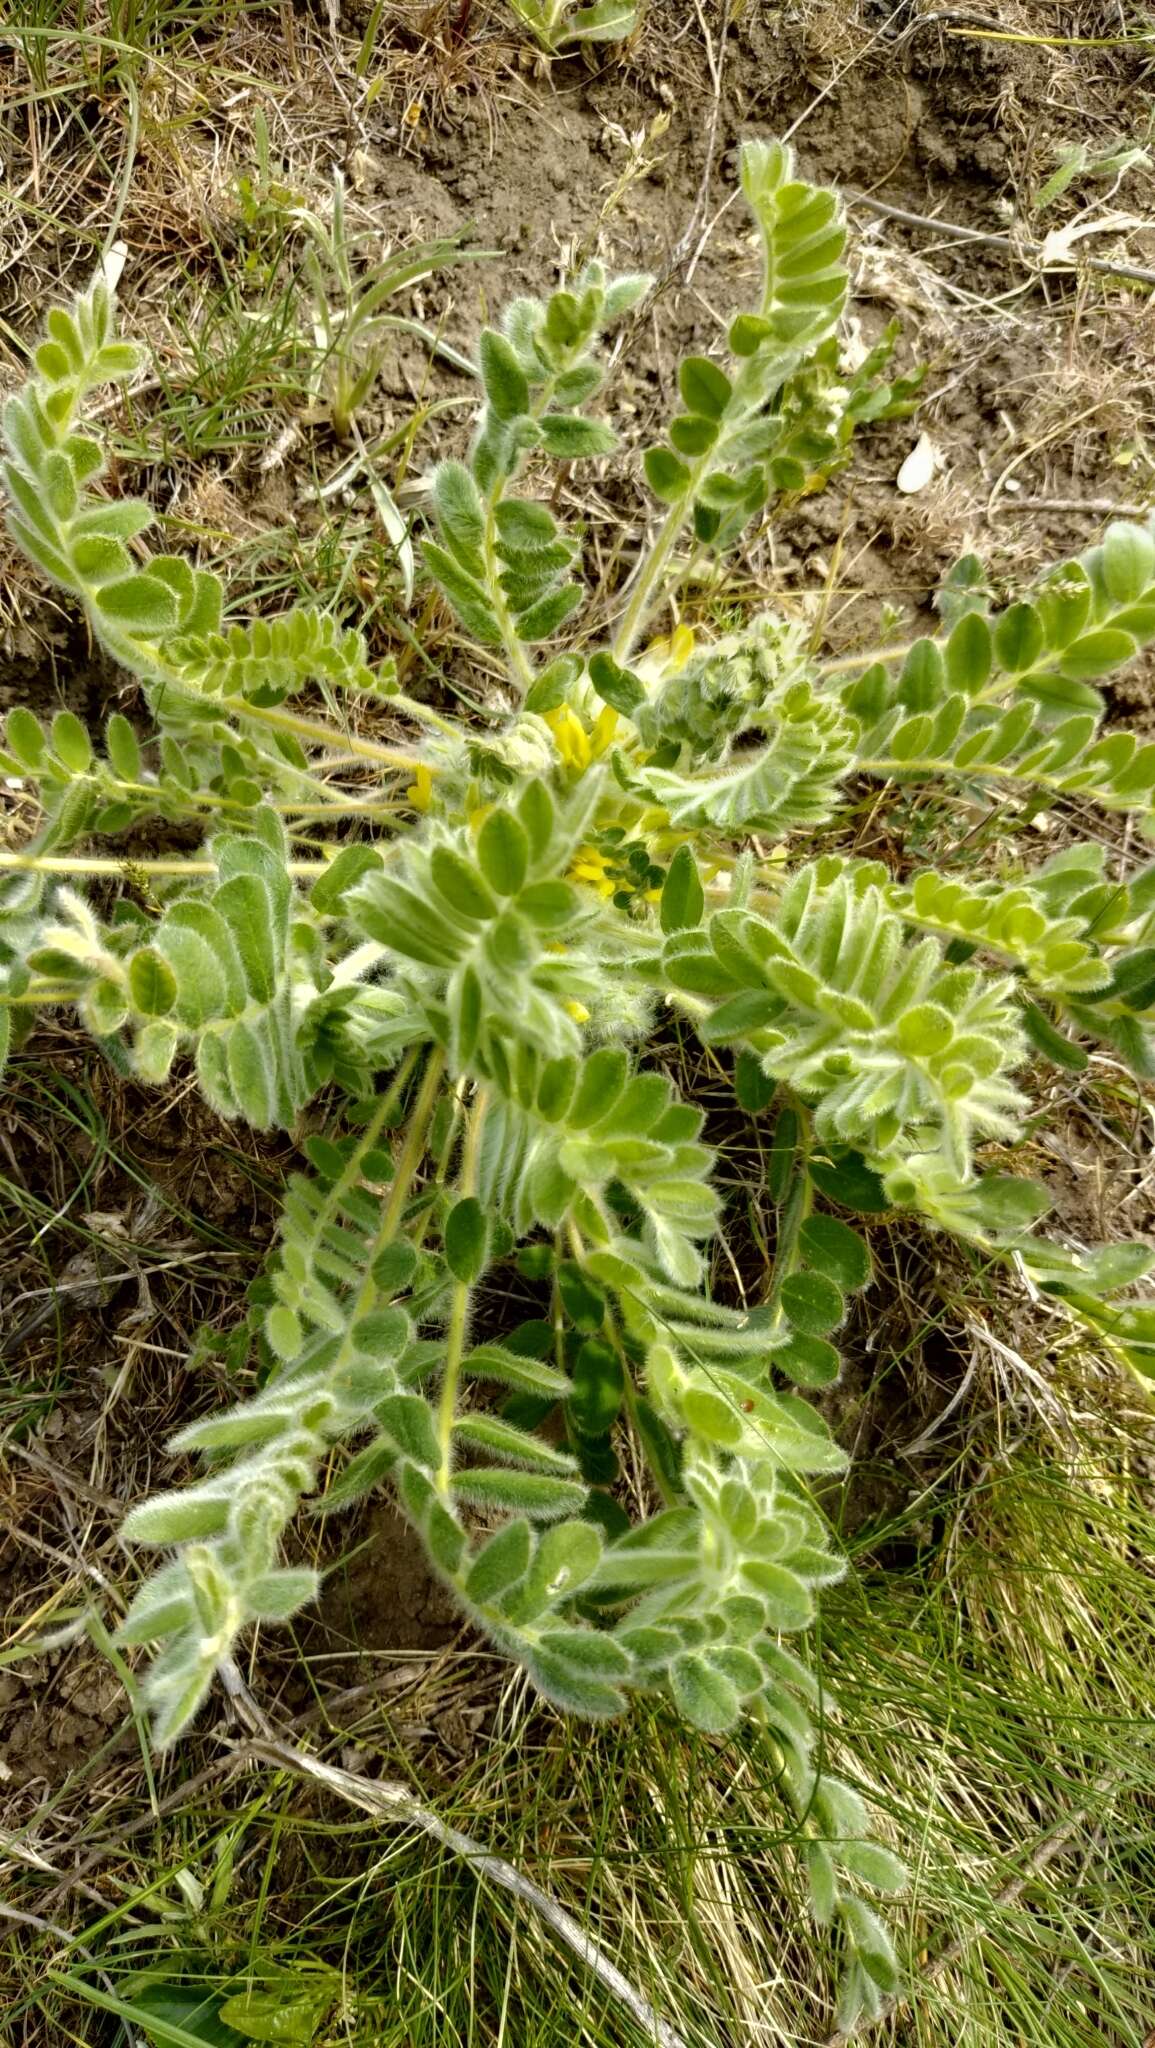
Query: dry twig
column 1025, row 250
column 395, row 1805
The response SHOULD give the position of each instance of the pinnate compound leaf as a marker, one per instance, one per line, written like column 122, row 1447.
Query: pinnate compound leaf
column 468, row 930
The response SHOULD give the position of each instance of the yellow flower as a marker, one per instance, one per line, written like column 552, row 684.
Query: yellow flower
column 578, row 1012
column 605, row 726
column 589, row 866
column 672, row 654
column 569, row 737
column 420, row 790
column 576, row 746
column 681, row 646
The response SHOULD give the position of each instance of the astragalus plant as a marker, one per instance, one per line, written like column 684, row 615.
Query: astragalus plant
column 468, row 950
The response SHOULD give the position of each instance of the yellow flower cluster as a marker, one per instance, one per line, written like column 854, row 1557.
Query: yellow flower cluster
column 592, row 868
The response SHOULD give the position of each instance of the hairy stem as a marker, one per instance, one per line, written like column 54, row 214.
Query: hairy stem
column 317, row 730
column 793, row 1209
column 125, row 868
column 846, row 664
column 335, row 806
column 669, row 1496
column 459, row 1306
column 520, row 666
column 447, row 1406
column 424, row 714
column 146, row 659
column 411, row 1155
column 648, row 578
column 407, row 1164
